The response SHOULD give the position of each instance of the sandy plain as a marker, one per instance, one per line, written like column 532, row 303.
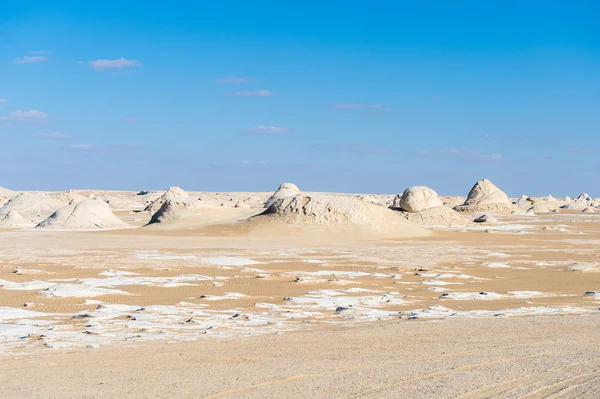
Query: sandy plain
column 215, row 309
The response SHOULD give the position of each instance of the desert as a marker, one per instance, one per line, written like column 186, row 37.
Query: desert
column 93, row 282
column 299, row 199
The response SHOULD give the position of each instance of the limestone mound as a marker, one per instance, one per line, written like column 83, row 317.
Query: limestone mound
column 437, row 216
column 89, row 214
column 172, row 193
column 484, row 192
column 14, row 219
column 416, row 199
column 486, row 197
column 337, row 213
column 175, row 209
column 285, row 190
column 32, row 205
column 589, row 210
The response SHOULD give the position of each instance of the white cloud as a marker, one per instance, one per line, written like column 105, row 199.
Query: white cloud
column 130, row 119
column 355, row 148
column 377, row 107
column 253, row 93
column 231, row 80
column 100, row 65
column 32, row 115
column 267, row 130
column 53, row 136
column 456, row 153
column 3, row 100
column 30, row 60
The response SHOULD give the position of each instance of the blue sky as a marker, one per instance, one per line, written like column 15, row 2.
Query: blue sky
column 333, row 96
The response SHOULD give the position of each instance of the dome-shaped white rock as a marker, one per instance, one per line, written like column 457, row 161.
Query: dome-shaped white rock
column 417, row 198
column 89, row 214
column 285, row 190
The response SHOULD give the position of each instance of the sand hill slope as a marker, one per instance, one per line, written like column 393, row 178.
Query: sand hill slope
column 89, row 214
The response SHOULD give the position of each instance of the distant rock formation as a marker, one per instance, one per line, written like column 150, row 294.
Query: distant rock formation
column 89, row 214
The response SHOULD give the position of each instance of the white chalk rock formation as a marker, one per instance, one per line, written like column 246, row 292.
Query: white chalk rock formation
column 524, row 202
column 176, row 209
column 583, row 197
column 589, row 209
column 89, row 214
column 285, row 190
column 486, row 197
column 171, row 194
column 416, row 199
column 32, row 205
column 14, row 219
column 337, row 213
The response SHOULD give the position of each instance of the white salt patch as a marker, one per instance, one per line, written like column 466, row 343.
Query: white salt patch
column 20, row 272
column 437, row 289
column 497, row 255
column 227, row 261
column 437, row 282
column 527, row 294
column 114, row 273
column 469, row 296
column 77, row 291
column 25, row 286
column 165, row 282
column 251, row 270
column 9, row 313
column 226, row 296
column 496, row 265
column 354, row 290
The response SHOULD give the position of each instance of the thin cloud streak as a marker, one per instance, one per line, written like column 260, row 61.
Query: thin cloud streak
column 253, row 93
column 27, row 116
column 30, row 60
column 53, row 136
column 100, row 65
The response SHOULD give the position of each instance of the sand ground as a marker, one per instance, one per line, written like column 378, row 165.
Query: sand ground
column 527, row 357
column 221, row 311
